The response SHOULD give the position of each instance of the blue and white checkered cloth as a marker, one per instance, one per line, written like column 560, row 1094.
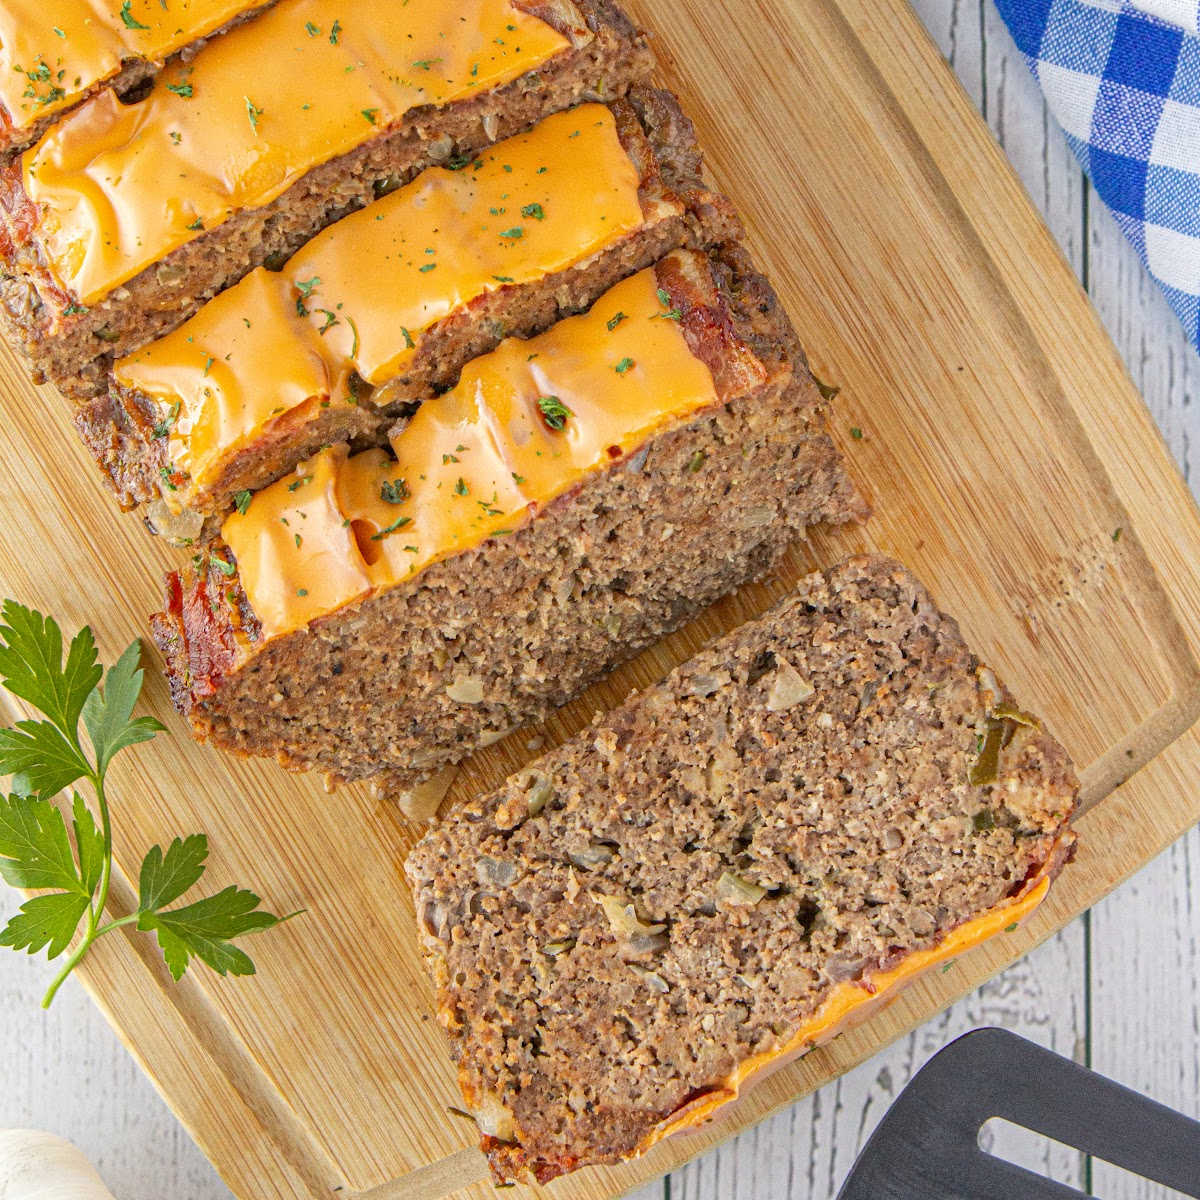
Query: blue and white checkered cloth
column 1123, row 79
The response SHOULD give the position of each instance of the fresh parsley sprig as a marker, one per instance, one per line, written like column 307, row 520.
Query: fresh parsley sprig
column 44, row 758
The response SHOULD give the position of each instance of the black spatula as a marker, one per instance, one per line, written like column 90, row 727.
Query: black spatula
column 927, row 1146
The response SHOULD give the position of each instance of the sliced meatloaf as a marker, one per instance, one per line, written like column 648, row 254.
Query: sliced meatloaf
column 385, row 306
column 54, row 55
column 730, row 868
column 126, row 217
column 572, row 499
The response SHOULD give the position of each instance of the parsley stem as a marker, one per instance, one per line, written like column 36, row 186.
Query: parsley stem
column 96, row 907
column 129, row 920
column 96, row 910
column 70, row 965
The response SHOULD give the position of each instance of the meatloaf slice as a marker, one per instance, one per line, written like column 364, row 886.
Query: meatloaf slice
column 574, row 498
column 53, row 56
column 268, row 134
column 380, row 310
column 730, row 867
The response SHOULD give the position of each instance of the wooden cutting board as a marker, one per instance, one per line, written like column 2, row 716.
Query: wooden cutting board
column 1009, row 459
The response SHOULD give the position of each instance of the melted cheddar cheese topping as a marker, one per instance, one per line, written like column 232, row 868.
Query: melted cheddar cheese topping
column 524, row 425
column 358, row 297
column 52, row 51
column 118, row 187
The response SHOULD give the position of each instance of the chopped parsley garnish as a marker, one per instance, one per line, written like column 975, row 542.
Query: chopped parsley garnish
column 696, row 462
column 253, row 112
column 226, row 568
column 127, row 17
column 427, row 267
column 330, row 320
column 302, row 592
column 534, row 210
column 423, row 64
column 623, row 366
column 460, row 488
column 616, row 319
column 296, row 484
column 503, row 278
column 394, row 491
column 165, row 473
column 398, row 523
column 197, row 225
column 856, row 433
column 518, row 479
column 305, row 288
column 515, row 232
column 182, row 89
column 456, row 162
column 664, row 298
column 241, row 501
column 311, row 29
column 449, row 458
column 163, row 427
column 554, row 411
column 370, row 114
column 335, row 32
column 74, row 308
column 409, row 344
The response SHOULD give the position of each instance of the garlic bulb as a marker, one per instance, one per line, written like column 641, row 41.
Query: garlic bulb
column 40, row 1166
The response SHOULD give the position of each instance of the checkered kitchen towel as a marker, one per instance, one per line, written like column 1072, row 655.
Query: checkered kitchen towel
column 1123, row 79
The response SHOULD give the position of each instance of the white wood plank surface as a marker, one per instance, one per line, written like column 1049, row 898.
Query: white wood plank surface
column 1117, row 989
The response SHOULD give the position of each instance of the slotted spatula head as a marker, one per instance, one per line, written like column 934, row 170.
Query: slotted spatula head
column 927, row 1146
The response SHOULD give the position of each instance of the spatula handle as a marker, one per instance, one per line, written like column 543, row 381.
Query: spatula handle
column 927, row 1145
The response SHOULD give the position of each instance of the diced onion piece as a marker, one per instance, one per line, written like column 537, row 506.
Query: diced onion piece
column 733, row 889
column 466, row 689
column 788, row 686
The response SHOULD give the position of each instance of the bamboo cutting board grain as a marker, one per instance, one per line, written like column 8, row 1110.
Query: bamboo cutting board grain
column 1010, row 463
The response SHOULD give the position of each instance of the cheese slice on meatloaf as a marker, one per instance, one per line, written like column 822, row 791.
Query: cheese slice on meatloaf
column 730, row 868
column 124, row 218
column 55, row 53
column 573, row 498
column 386, row 305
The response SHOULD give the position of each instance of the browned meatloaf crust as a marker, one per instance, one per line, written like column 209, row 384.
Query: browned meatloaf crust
column 119, row 426
column 135, row 73
column 676, row 890
column 535, row 616
column 75, row 349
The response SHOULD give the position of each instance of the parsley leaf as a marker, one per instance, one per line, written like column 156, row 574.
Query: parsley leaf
column 165, row 877
column 35, row 851
column 206, row 929
column 40, row 758
column 108, row 712
column 45, row 922
column 31, row 665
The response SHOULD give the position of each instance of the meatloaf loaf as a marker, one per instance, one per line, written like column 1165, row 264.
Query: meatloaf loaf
column 126, row 217
column 730, row 867
column 55, row 53
column 381, row 309
column 572, row 499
